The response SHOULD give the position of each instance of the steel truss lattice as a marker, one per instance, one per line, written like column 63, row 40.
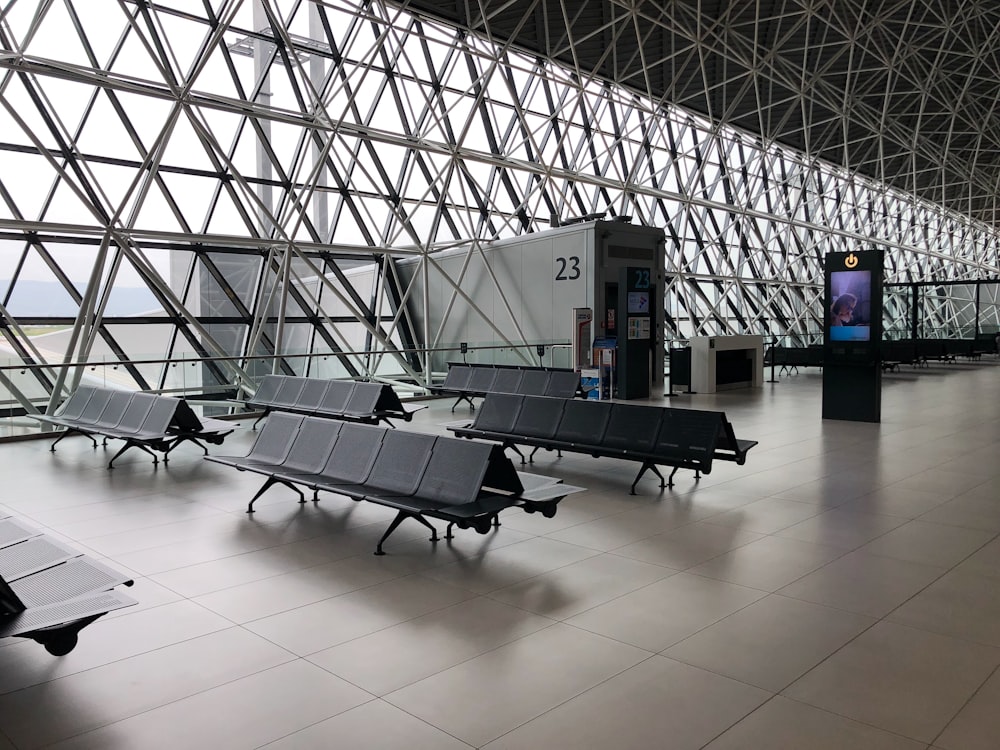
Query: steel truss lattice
column 257, row 170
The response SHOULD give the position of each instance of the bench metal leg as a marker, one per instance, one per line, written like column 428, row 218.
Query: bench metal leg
column 128, row 445
column 647, row 466
column 472, row 405
column 531, row 456
column 400, row 517
column 69, row 432
column 516, row 450
column 258, row 420
column 271, row 481
column 447, row 532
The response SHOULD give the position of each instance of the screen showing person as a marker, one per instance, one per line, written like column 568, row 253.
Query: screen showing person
column 849, row 316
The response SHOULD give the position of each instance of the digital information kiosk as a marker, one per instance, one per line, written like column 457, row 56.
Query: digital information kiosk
column 635, row 305
column 852, row 372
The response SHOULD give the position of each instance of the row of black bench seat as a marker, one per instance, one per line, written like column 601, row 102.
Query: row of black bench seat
column 148, row 421
column 893, row 353
column 681, row 438
column 921, row 351
column 341, row 399
column 48, row 591
column 418, row 475
column 788, row 357
column 467, row 381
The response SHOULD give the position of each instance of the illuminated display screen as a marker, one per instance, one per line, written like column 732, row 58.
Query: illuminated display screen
column 849, row 316
column 638, row 303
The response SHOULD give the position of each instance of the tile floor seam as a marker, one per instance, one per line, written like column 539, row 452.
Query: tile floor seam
column 490, row 650
column 845, row 645
column 596, row 685
column 203, row 692
column 958, row 713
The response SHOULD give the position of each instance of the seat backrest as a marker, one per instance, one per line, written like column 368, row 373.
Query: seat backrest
column 92, row 411
column 160, row 415
column 115, row 409
column 364, row 399
column 388, row 400
column 275, row 438
column 288, row 391
column 482, row 379
column 563, row 383
column 458, row 377
column 501, row 474
column 455, row 471
column 338, row 393
column 137, row 411
column 267, row 390
column 584, row 422
column 507, row 380
column 539, row 416
column 184, row 419
column 498, row 413
column 688, row 434
column 727, row 438
column 354, row 453
column 313, row 445
column 533, row 382
column 73, row 407
column 632, row 428
column 311, row 395
column 401, row 462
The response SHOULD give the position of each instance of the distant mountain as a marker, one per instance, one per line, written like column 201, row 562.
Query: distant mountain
column 33, row 299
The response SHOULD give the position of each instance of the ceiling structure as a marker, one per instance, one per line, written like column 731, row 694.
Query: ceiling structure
column 904, row 92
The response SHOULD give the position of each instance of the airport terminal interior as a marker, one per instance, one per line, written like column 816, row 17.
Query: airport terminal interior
column 777, row 219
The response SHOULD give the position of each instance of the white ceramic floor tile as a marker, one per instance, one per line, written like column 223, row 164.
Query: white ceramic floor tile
column 765, row 516
column 771, row 642
column 899, row 679
column 846, row 529
column 87, row 700
column 931, row 544
column 790, row 725
column 373, row 726
column 689, row 545
column 768, row 563
column 408, row 652
column 658, row 703
column 318, row 626
column 485, row 697
column 916, row 492
column 863, row 582
column 579, row 586
column 977, row 725
column 249, row 712
column 510, row 565
column 106, row 641
column 259, row 599
column 957, row 604
column 665, row 612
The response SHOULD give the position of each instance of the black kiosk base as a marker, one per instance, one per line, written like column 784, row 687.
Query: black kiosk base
column 852, row 392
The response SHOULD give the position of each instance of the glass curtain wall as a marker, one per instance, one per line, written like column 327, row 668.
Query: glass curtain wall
column 236, row 179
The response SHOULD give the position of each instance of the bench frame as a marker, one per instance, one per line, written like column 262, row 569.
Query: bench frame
column 60, row 579
column 723, row 443
column 419, row 476
column 164, row 424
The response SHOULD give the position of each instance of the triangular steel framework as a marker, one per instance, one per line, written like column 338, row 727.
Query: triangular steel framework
column 258, row 168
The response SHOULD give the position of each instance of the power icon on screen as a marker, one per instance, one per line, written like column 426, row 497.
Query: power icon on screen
column 851, row 260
